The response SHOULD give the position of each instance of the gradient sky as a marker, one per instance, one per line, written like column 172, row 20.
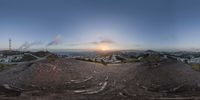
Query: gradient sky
column 96, row 24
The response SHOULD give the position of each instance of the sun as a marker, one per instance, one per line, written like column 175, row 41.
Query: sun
column 103, row 49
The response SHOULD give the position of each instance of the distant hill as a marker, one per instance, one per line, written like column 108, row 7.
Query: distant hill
column 41, row 53
column 8, row 52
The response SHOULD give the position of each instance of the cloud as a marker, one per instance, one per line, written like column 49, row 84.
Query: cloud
column 55, row 41
column 103, row 41
column 106, row 41
column 28, row 45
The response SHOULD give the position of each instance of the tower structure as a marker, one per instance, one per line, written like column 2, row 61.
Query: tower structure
column 10, row 41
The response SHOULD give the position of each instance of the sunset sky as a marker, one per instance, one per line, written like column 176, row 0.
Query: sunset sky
column 100, row 24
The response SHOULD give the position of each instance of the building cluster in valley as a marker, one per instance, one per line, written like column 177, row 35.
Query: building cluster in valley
column 127, row 56
column 11, row 58
column 108, row 58
column 186, row 57
column 15, row 56
column 105, row 59
column 8, row 56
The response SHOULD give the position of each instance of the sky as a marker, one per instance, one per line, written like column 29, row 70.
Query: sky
column 100, row 24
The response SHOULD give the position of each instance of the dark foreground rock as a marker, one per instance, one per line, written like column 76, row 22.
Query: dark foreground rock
column 6, row 90
column 168, row 76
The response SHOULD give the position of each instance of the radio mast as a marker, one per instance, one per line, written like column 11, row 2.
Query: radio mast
column 10, row 41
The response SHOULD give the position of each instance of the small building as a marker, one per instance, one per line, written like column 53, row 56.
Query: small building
column 165, row 56
column 113, row 58
column 6, row 60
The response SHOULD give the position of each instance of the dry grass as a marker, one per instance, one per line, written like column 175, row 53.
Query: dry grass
column 52, row 57
column 151, row 58
column 4, row 66
column 195, row 67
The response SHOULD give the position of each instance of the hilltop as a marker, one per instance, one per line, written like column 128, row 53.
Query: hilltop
column 73, row 79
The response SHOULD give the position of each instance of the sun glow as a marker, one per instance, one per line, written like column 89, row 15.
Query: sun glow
column 104, row 48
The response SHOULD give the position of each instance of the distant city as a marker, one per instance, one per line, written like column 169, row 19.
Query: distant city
column 108, row 57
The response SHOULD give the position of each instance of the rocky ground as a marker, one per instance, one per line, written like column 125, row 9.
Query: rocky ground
column 69, row 79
